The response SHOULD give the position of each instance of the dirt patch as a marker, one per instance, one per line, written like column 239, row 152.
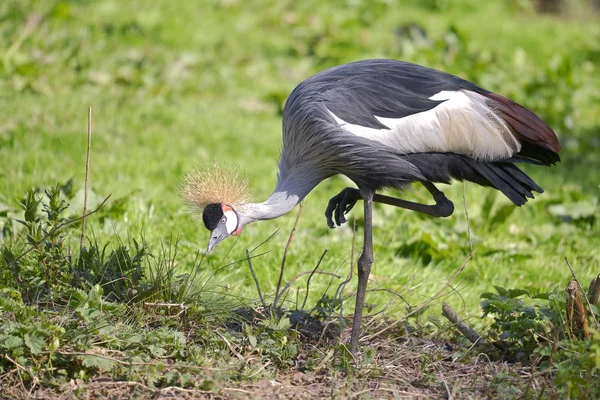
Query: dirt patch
column 408, row 368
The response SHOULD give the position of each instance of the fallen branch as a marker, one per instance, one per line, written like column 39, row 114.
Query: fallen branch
column 462, row 327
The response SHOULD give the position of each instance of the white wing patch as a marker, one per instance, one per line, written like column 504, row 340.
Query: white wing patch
column 464, row 124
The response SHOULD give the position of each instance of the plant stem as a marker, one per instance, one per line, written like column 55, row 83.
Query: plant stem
column 87, row 172
column 287, row 246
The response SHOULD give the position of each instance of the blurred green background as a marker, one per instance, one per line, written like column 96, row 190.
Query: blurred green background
column 173, row 84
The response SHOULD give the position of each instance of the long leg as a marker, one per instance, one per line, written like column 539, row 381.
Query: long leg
column 343, row 202
column 364, row 269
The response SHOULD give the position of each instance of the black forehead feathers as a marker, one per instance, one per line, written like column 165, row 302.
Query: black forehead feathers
column 211, row 216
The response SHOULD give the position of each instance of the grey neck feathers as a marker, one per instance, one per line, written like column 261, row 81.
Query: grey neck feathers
column 287, row 194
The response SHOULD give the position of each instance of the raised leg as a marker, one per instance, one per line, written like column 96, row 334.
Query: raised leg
column 364, row 269
column 343, row 202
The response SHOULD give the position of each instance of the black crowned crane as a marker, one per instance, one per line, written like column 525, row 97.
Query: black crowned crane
column 384, row 124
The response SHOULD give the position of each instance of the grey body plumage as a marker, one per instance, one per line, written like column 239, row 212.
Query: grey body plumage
column 315, row 145
column 386, row 124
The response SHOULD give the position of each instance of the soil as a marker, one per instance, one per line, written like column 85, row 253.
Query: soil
column 410, row 368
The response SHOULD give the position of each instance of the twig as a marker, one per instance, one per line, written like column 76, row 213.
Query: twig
column 237, row 390
column 19, row 368
column 448, row 392
column 391, row 292
column 395, row 391
column 127, row 383
column 310, row 277
column 265, row 365
column 168, row 305
column 325, row 359
column 156, row 391
column 180, row 389
column 182, row 307
column 54, row 230
column 457, row 321
column 234, row 351
column 266, row 240
column 352, row 247
column 287, row 246
column 262, row 300
column 582, row 291
column 340, row 287
column 467, row 217
column 298, row 275
column 87, row 171
column 239, row 261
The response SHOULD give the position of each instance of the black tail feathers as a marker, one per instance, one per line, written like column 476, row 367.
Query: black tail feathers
column 503, row 176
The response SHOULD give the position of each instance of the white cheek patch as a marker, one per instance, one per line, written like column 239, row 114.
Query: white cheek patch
column 232, row 221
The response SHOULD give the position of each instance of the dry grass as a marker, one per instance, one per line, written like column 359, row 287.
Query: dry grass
column 402, row 368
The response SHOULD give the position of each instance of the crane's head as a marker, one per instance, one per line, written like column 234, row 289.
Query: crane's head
column 219, row 193
column 221, row 220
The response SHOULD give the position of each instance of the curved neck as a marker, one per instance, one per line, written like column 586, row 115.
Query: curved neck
column 287, row 195
column 278, row 204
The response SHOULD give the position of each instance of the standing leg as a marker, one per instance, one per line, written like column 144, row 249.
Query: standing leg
column 364, row 269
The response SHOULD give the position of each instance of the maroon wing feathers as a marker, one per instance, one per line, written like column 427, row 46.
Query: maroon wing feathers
column 527, row 126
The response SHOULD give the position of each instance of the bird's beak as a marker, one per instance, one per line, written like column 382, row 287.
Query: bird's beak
column 216, row 236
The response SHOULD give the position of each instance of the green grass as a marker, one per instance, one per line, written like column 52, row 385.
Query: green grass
column 172, row 87
column 175, row 84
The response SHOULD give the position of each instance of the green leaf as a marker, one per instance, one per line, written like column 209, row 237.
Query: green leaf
column 574, row 211
column 35, row 341
column 156, row 351
column 488, row 203
column 514, row 293
column 284, row 324
column 93, row 361
column 540, row 295
column 12, row 342
column 501, row 214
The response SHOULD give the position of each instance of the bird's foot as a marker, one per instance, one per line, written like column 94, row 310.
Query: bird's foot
column 341, row 204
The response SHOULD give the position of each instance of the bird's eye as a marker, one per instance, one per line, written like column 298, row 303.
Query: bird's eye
column 223, row 220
